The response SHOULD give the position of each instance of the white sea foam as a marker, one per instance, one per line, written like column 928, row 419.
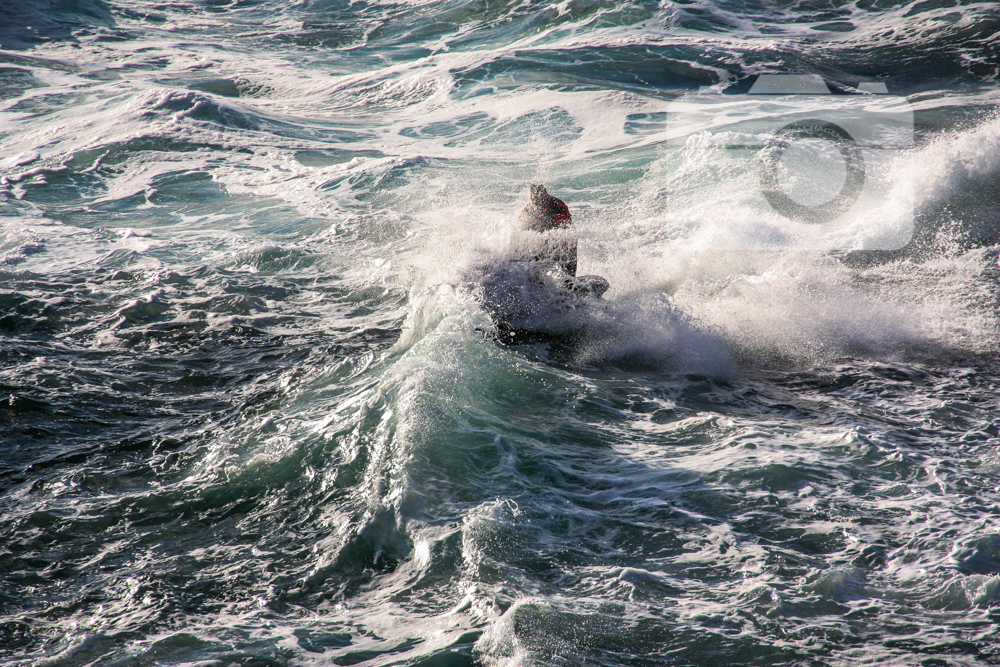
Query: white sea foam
column 658, row 235
column 232, row 225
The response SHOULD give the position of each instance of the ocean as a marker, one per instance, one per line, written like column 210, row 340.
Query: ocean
column 278, row 385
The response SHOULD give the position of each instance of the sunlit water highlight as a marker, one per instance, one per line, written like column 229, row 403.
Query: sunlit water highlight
column 252, row 411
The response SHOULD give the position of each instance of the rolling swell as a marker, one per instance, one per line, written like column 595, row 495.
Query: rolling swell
column 115, row 435
column 251, row 411
column 33, row 22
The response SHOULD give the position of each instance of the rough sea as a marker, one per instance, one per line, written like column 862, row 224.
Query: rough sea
column 254, row 412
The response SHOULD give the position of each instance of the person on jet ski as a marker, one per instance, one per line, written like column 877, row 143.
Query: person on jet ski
column 545, row 213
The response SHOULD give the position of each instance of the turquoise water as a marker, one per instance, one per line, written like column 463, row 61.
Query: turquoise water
column 253, row 411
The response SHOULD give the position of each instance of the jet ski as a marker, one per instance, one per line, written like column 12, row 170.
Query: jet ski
column 535, row 302
column 536, row 295
column 594, row 286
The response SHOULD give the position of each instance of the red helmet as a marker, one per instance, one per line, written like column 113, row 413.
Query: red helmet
column 544, row 211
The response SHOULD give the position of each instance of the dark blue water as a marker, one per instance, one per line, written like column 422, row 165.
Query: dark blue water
column 253, row 410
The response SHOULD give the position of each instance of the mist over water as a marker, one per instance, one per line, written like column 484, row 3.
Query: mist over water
column 254, row 409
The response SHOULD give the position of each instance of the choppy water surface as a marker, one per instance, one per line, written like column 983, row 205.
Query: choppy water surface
column 251, row 413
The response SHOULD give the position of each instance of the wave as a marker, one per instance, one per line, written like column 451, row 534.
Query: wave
column 29, row 23
column 251, row 391
column 954, row 176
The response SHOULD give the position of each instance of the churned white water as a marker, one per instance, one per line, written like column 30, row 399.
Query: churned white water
column 277, row 386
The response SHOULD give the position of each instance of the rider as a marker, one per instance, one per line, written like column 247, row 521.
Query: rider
column 544, row 213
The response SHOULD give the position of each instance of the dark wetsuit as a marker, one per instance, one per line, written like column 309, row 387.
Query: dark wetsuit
column 544, row 213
